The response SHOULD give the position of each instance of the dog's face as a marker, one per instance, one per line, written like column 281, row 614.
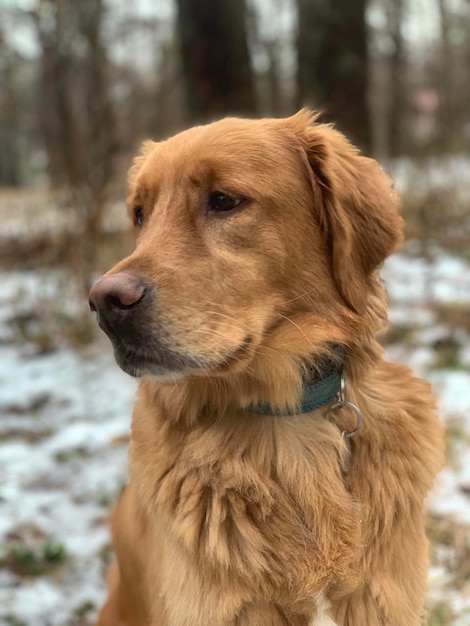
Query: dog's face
column 242, row 225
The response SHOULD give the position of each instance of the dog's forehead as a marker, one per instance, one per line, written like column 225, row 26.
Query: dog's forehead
column 234, row 146
column 226, row 134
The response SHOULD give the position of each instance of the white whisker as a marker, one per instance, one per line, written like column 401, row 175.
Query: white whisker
column 302, row 295
column 298, row 328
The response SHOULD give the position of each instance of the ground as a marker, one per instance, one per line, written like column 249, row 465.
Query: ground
column 65, row 416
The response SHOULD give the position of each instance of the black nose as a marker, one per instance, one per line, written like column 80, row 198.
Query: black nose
column 116, row 293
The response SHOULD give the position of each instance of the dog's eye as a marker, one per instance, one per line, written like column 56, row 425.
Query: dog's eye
column 138, row 216
column 222, row 203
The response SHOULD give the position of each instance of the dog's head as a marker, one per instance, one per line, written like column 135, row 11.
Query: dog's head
column 243, row 225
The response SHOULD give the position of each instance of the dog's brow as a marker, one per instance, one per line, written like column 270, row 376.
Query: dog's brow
column 196, row 182
column 202, row 174
column 145, row 191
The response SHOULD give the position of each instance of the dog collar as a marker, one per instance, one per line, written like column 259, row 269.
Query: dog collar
column 327, row 383
column 314, row 397
column 323, row 386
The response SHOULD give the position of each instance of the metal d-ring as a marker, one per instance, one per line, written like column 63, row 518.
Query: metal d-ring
column 341, row 402
column 357, row 413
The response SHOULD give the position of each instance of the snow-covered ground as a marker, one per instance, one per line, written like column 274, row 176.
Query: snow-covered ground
column 64, row 427
column 64, row 424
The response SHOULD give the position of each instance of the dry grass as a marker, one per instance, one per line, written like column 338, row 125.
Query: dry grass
column 450, row 550
column 437, row 215
column 455, row 315
column 39, row 229
column 39, row 234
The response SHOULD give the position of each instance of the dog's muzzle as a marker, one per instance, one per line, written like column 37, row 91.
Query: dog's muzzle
column 123, row 304
column 127, row 309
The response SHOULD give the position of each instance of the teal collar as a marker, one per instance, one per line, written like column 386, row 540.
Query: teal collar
column 323, row 387
column 314, row 396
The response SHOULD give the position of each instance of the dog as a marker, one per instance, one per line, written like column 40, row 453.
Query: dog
column 278, row 463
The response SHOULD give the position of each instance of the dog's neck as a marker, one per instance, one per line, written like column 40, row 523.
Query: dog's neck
column 282, row 388
column 321, row 384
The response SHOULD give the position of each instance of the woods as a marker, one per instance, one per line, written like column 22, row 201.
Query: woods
column 215, row 58
column 96, row 76
column 83, row 83
column 333, row 64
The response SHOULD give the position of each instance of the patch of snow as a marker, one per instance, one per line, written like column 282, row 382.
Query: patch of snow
column 443, row 171
column 453, row 389
column 65, row 424
column 417, row 280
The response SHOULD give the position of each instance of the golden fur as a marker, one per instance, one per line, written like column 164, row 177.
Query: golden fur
column 237, row 519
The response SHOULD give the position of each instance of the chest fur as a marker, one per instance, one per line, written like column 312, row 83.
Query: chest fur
column 257, row 502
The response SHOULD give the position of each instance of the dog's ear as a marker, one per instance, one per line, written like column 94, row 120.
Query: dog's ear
column 356, row 207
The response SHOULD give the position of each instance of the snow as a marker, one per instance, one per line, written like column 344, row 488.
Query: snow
column 440, row 172
column 453, row 389
column 64, row 427
column 417, row 280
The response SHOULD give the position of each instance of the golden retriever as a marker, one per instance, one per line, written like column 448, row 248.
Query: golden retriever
column 253, row 284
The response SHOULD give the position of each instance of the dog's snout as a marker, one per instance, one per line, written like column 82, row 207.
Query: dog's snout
column 116, row 292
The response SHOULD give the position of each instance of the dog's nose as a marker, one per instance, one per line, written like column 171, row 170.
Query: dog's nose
column 116, row 292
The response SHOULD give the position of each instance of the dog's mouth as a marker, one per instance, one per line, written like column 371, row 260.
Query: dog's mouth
column 139, row 364
column 165, row 364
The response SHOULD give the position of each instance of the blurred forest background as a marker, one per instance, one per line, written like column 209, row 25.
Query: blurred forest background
column 82, row 83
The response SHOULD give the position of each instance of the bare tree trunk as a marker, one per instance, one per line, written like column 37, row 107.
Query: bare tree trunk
column 77, row 116
column 333, row 63
column 215, row 58
column 448, row 108
column 59, row 128
column 396, row 112
column 9, row 157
